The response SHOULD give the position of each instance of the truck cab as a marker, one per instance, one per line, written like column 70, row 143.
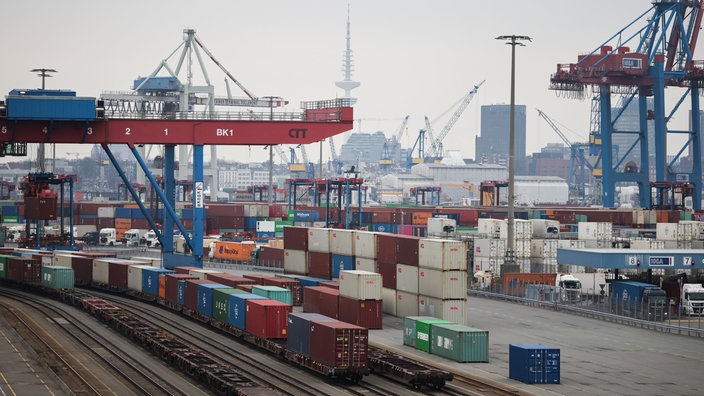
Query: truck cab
column 108, row 237
column 132, row 237
column 570, row 287
column 692, row 301
column 150, row 239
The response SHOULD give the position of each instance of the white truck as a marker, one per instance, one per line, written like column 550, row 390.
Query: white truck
column 692, row 299
column 133, row 236
column 108, row 237
column 593, row 285
column 151, row 240
column 570, row 287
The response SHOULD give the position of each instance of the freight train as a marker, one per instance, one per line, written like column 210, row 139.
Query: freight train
column 340, row 349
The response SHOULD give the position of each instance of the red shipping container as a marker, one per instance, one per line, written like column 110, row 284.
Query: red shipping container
column 267, row 318
column 224, row 210
column 407, row 251
column 386, row 247
column 191, row 298
column 247, row 288
column 382, row 217
column 24, row 270
column 171, row 286
column 322, row 300
column 95, row 255
column 290, row 284
column 339, row 344
column 185, row 269
column 82, row 270
column 271, row 256
column 104, row 222
column 365, row 313
column 229, row 279
column 332, row 284
column 320, row 265
column 387, row 269
column 258, row 278
column 117, row 274
column 296, row 238
column 276, row 211
column 141, row 224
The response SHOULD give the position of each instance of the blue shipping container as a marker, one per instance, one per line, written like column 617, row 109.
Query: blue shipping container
column 382, row 227
column 534, row 363
column 187, row 214
column 341, row 262
column 305, row 215
column 136, row 213
column 205, row 297
column 11, row 210
column 299, row 330
column 237, row 309
column 124, row 213
column 50, row 108
column 181, row 292
column 150, row 280
column 250, row 223
column 158, row 84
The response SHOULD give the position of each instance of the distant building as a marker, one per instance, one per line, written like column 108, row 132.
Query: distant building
column 492, row 146
column 552, row 160
column 363, row 147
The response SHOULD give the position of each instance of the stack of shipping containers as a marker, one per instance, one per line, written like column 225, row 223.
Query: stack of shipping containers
column 442, row 279
column 543, row 250
column 360, row 299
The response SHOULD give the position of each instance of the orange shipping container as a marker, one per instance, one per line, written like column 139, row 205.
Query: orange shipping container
column 123, row 223
column 120, row 232
column 239, row 251
column 421, row 218
column 162, row 286
column 514, row 283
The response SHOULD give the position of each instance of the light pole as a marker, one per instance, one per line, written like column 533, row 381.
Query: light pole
column 513, row 41
column 44, row 73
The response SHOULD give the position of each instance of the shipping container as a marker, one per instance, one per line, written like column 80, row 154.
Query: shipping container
column 365, row 244
column 365, row 264
column 386, row 248
column 407, row 278
column 442, row 254
column 339, row 344
column 296, row 238
column 206, row 297
column 117, row 274
column 387, row 270
column 409, row 329
column 291, row 284
column 454, row 310
column 365, row 313
column 228, row 279
column 407, row 250
column 171, row 287
column 220, row 302
column 423, row 328
column 273, row 293
column 442, row 284
column 296, row 261
column 319, row 240
column 342, row 242
column 514, row 283
column 320, row 265
column 389, row 301
column 57, row 277
column 299, row 330
column 237, row 308
column 360, row 285
column 202, row 273
column 134, row 277
column 459, row 343
column 191, row 292
column 233, row 251
column 24, row 270
column 534, row 363
column 341, row 263
column 267, row 318
column 406, row 304
column 322, row 300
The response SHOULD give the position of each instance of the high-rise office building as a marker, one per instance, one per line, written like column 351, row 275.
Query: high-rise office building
column 492, row 145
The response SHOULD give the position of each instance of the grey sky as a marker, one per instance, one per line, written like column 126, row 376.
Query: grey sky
column 412, row 57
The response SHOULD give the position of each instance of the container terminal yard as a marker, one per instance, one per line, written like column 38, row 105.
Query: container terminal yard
column 308, row 288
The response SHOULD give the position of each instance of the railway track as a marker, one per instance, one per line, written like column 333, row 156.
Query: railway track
column 81, row 378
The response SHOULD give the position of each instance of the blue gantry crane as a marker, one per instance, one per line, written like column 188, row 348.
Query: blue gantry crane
column 653, row 52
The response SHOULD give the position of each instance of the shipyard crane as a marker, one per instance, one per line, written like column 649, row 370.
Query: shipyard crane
column 576, row 181
column 436, row 148
column 280, row 153
column 653, row 52
column 386, row 159
column 336, row 162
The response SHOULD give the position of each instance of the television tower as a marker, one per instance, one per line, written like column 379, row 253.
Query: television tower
column 347, row 84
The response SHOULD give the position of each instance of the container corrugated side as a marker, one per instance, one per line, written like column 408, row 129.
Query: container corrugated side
column 295, row 261
column 220, row 302
column 406, row 304
column 442, row 284
column 409, row 329
column 423, row 332
column 339, row 344
column 442, row 254
column 134, row 277
column 342, row 242
column 407, row 278
column 274, row 293
column 319, row 240
column 360, row 285
column 299, row 330
column 365, row 244
column 206, row 297
column 389, row 301
column 267, row 318
column 101, row 272
column 459, row 343
column 237, row 308
column 365, row 264
column 365, row 313
column 57, row 277
column 453, row 310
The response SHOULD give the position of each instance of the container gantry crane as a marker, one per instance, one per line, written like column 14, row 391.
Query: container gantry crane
column 578, row 161
column 663, row 41
column 53, row 116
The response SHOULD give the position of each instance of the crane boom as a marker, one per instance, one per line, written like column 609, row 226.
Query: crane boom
column 401, row 129
column 280, row 153
column 436, row 145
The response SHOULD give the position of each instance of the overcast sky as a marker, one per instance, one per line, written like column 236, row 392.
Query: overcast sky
column 412, row 57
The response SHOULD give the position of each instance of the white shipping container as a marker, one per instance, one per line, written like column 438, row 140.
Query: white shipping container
column 544, row 265
column 543, row 248
column 442, row 284
column 684, row 245
column 295, row 261
column 571, row 244
column 202, row 273
column 151, row 261
column 101, row 273
column 597, row 244
column 452, row 310
column 342, row 242
column 488, row 264
column 522, row 229
column 666, row 231
column 521, row 248
column 106, row 212
column 489, row 227
column 697, row 229
column 442, row 254
column 63, row 260
column 365, row 264
column 365, row 244
column 251, row 210
column 647, row 244
column 407, row 278
column 389, row 301
column 360, row 285
column 671, row 244
column 436, row 225
column 406, row 304
column 543, row 228
column 262, row 210
column 590, row 230
column 319, row 240
column 684, row 231
column 484, row 247
column 319, row 224
column 134, row 277
column 266, row 226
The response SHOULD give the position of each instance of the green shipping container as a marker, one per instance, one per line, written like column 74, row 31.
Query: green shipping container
column 280, row 224
column 409, row 329
column 274, row 293
column 423, row 332
column 57, row 277
column 459, row 343
column 220, row 299
column 3, row 266
column 10, row 219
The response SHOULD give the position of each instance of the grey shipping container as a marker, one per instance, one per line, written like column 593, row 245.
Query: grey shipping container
column 57, row 277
